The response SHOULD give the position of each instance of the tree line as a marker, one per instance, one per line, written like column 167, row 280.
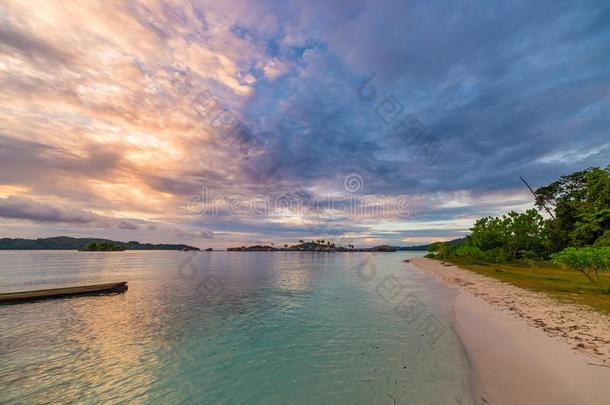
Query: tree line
column 576, row 235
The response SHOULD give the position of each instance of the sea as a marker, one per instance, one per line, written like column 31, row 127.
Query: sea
column 230, row 328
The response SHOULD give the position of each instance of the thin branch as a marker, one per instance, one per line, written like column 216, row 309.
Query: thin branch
column 595, row 283
column 597, row 275
column 536, row 198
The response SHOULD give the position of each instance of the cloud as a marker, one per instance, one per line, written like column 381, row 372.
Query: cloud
column 99, row 106
column 21, row 208
column 12, row 40
column 200, row 234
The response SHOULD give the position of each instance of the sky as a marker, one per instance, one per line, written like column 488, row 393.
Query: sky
column 229, row 123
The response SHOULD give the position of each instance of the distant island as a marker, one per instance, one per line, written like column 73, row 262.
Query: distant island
column 102, row 247
column 107, row 245
column 313, row 246
column 84, row 244
column 327, row 246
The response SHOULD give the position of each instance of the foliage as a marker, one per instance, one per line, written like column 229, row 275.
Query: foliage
column 462, row 253
column 576, row 238
column 103, row 247
column 590, row 226
column 433, row 247
column 442, row 249
column 586, row 260
column 581, row 202
column 511, row 236
column 603, row 240
column 598, row 188
column 470, row 251
column 571, row 187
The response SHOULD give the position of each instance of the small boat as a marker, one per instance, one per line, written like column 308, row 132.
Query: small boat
column 63, row 292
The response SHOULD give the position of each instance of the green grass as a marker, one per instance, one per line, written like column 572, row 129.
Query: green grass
column 563, row 284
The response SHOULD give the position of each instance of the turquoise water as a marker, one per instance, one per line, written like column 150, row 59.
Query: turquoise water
column 230, row 327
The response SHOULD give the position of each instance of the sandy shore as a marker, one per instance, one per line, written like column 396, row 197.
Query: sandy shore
column 525, row 347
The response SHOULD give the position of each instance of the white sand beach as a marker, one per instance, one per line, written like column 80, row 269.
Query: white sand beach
column 525, row 347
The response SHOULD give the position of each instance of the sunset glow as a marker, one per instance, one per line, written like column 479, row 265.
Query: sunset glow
column 114, row 114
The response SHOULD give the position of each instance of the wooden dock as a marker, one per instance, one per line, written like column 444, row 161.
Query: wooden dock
column 63, row 292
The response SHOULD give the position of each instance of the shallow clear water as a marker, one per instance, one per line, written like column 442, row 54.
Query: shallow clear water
column 230, row 327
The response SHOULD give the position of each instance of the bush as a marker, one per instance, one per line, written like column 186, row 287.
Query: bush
column 443, row 250
column 433, row 247
column 529, row 255
column 586, row 260
column 510, row 235
column 498, row 255
column 470, row 251
column 464, row 253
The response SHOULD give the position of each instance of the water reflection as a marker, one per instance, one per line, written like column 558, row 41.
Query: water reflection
column 295, row 328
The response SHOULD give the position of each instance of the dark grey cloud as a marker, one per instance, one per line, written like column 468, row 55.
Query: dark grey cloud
column 26, row 161
column 28, row 209
column 15, row 40
column 503, row 86
column 53, row 171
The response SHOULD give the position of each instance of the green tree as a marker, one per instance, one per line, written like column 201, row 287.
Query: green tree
column 511, row 236
column 590, row 226
column 586, row 260
column 598, row 188
column 581, row 201
column 571, row 187
column 487, row 234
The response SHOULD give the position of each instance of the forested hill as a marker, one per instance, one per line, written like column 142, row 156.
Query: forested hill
column 67, row 243
column 425, row 248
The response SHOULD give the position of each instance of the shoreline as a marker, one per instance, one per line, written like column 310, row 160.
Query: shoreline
column 525, row 347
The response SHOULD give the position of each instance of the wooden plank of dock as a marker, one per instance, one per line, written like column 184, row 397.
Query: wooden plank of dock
column 63, row 292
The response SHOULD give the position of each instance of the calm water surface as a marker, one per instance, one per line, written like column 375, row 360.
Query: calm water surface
column 230, row 327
